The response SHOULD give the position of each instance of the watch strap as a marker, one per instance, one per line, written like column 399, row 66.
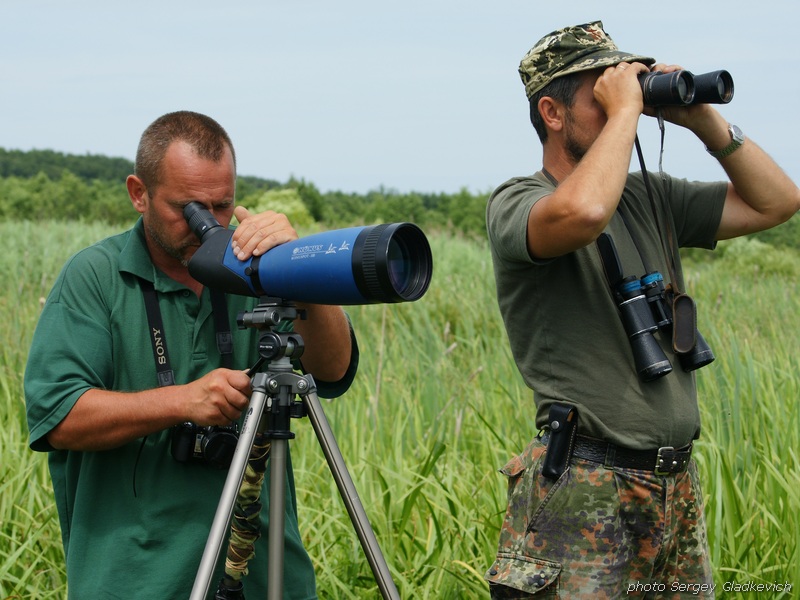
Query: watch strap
column 737, row 139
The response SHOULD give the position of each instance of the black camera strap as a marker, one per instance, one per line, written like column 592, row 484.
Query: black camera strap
column 219, row 309
column 158, row 340
column 166, row 375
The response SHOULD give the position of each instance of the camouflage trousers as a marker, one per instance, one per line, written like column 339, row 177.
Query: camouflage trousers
column 599, row 533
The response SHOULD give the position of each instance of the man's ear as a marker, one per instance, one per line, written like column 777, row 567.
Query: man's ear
column 137, row 192
column 552, row 113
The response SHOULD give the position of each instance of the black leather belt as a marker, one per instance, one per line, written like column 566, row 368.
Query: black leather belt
column 664, row 461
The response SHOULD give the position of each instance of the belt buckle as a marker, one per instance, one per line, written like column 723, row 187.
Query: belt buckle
column 668, row 461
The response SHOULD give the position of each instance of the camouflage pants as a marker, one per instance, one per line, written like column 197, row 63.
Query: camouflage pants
column 600, row 533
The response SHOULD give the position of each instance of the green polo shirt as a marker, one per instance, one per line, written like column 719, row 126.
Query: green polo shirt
column 134, row 521
column 563, row 323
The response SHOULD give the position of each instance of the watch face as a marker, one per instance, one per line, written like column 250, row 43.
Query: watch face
column 736, row 134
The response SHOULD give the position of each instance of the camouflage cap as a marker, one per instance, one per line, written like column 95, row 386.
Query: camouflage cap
column 570, row 50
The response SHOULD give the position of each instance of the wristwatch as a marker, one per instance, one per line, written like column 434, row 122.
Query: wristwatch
column 737, row 139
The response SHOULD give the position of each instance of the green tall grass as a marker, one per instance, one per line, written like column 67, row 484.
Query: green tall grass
column 31, row 556
column 436, row 408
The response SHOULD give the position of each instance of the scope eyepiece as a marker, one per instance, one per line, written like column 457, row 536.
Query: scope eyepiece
column 200, row 220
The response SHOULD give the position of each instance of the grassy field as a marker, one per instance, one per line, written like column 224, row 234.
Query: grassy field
column 437, row 407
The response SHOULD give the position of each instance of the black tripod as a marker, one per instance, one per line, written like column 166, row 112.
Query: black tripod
column 272, row 406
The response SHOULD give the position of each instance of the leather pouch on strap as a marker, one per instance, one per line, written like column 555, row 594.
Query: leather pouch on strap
column 684, row 323
column 563, row 422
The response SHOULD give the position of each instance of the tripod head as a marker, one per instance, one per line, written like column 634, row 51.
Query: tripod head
column 270, row 312
column 278, row 347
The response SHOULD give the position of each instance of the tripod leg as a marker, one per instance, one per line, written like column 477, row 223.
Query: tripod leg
column 227, row 499
column 277, row 518
column 347, row 490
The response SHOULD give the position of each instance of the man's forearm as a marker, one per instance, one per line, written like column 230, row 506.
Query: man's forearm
column 584, row 202
column 326, row 336
column 102, row 419
column 761, row 195
column 762, row 185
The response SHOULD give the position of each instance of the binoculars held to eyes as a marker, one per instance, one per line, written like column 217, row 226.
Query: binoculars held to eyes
column 681, row 88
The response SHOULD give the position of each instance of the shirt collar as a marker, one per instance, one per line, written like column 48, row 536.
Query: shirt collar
column 135, row 259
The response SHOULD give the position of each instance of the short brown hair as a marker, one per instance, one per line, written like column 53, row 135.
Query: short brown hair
column 562, row 89
column 203, row 133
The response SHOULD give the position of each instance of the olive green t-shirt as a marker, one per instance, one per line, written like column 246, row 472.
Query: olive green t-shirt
column 563, row 323
column 134, row 521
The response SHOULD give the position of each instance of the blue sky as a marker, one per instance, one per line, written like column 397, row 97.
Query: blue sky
column 353, row 95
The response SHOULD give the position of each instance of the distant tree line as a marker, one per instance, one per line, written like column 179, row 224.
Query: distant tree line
column 43, row 184
column 18, row 163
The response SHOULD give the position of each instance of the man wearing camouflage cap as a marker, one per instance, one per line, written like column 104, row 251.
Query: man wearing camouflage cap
column 615, row 501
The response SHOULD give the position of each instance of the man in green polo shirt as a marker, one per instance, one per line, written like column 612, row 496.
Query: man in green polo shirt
column 613, row 505
column 134, row 520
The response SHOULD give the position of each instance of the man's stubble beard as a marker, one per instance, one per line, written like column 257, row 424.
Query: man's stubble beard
column 179, row 253
column 574, row 148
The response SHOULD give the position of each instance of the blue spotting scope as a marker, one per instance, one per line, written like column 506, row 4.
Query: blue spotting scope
column 357, row 265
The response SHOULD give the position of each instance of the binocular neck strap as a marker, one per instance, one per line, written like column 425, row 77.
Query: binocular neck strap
column 668, row 244
column 158, row 338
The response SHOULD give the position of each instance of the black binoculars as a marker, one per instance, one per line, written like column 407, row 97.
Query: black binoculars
column 661, row 307
column 644, row 309
column 681, row 88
